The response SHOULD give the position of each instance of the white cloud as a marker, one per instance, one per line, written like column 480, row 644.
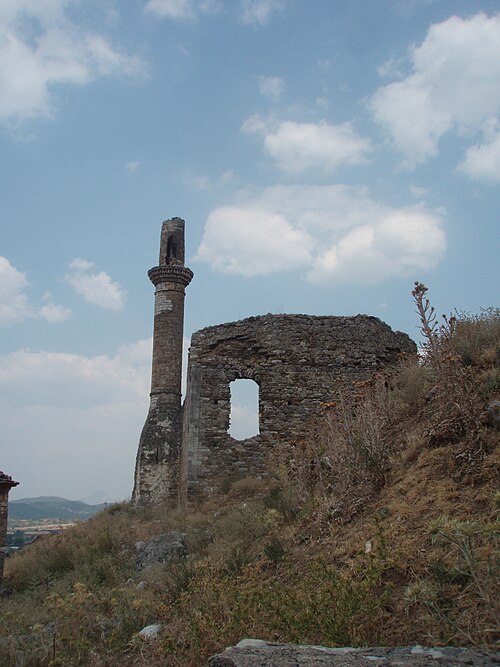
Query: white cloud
column 251, row 241
column 203, row 183
column 174, row 9
column 271, row 87
column 298, row 147
column 244, row 422
column 398, row 243
column 255, row 12
column 391, row 69
column 418, row 192
column 52, row 312
column 41, row 48
column 258, row 12
column 255, row 124
column 132, row 167
column 77, row 418
column 244, row 414
column 454, row 85
column 95, row 288
column 79, row 264
column 15, row 306
column 322, row 102
column 336, row 234
column 482, row 161
column 82, row 380
column 182, row 9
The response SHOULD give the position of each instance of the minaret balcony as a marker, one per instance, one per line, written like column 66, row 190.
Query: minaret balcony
column 170, row 273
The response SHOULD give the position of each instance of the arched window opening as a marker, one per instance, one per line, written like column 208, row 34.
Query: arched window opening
column 171, row 250
column 244, row 416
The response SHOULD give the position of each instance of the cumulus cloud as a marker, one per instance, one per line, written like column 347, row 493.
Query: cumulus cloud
column 454, row 85
column 15, row 306
column 336, row 234
column 482, row 161
column 258, row 12
column 252, row 241
column 95, row 288
column 77, row 418
column 299, row 147
column 40, row 48
column 53, row 312
column 398, row 243
column 271, row 87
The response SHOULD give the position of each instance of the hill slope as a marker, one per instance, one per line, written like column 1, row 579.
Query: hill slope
column 379, row 529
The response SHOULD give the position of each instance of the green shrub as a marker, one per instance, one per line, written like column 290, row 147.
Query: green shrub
column 274, row 550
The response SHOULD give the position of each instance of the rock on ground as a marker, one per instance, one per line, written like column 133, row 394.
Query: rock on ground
column 160, row 549
column 258, row 653
column 150, row 631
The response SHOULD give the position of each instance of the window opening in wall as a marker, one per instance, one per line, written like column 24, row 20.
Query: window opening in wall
column 171, row 250
column 244, row 416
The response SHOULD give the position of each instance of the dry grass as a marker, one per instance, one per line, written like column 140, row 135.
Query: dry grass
column 380, row 529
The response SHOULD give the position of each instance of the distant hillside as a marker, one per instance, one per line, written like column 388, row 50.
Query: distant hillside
column 51, row 507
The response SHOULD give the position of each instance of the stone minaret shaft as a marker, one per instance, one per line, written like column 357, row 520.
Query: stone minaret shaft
column 6, row 484
column 157, row 464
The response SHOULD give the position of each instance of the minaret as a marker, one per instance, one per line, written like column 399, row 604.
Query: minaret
column 157, row 466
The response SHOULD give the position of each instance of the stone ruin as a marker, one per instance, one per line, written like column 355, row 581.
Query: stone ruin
column 6, row 484
column 294, row 359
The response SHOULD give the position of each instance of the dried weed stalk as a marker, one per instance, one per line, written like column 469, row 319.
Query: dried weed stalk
column 454, row 411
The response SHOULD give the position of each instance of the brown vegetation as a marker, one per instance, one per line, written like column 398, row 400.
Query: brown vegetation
column 380, row 528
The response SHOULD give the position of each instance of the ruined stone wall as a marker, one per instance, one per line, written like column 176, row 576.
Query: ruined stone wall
column 4, row 499
column 295, row 360
column 6, row 484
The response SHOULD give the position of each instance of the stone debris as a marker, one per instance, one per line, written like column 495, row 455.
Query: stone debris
column 150, row 632
column 258, row 653
column 164, row 548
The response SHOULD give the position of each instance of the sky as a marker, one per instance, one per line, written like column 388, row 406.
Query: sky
column 325, row 154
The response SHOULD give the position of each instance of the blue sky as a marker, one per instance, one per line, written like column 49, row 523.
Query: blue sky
column 325, row 154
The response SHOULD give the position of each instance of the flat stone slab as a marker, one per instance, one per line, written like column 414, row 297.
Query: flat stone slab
column 258, row 653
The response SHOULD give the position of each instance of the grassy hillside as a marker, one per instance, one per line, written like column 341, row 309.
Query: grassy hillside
column 381, row 527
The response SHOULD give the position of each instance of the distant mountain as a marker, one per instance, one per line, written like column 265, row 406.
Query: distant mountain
column 41, row 499
column 99, row 497
column 52, row 507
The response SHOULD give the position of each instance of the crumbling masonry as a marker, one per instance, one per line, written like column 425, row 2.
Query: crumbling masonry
column 6, row 484
column 294, row 359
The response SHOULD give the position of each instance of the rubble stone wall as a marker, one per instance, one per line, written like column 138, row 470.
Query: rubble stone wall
column 6, row 484
column 295, row 360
